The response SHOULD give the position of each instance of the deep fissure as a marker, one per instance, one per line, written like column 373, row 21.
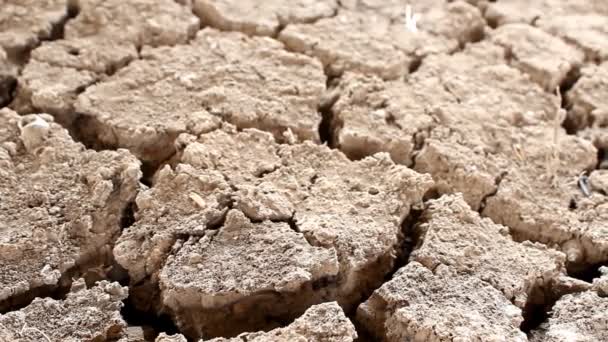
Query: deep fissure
column 331, row 96
column 151, row 323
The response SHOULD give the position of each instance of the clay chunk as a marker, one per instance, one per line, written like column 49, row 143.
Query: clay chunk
column 547, row 59
column 458, row 237
column 58, row 71
column 261, row 18
column 102, row 38
column 522, row 11
column 249, row 82
column 308, row 224
column 453, row 118
column 170, row 338
column 589, row 105
column 140, row 22
column 252, row 266
column 588, row 32
column 439, row 305
column 24, row 23
column 84, row 315
column 320, row 323
column 61, row 204
column 369, row 41
column 575, row 317
column 373, row 115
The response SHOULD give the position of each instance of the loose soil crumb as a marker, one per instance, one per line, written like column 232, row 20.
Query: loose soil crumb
column 250, row 82
column 601, row 284
column 61, row 204
column 85, row 315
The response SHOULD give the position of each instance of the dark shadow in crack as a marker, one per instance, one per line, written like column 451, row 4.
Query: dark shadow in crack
column 151, row 324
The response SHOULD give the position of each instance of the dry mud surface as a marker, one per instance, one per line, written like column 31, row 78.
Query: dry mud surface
column 309, row 170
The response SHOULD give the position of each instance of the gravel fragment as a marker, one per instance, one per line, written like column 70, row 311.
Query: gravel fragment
column 261, row 18
column 600, row 284
column 61, row 204
column 250, row 82
column 84, row 315
column 439, row 305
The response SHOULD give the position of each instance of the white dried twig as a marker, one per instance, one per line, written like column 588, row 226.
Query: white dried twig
column 553, row 158
column 411, row 19
column 25, row 327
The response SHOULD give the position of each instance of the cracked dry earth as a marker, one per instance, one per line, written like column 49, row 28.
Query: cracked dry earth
column 308, row 170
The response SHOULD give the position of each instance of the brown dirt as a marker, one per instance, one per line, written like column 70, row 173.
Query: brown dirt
column 304, row 170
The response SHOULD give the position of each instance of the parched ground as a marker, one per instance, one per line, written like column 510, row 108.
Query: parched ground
column 308, row 170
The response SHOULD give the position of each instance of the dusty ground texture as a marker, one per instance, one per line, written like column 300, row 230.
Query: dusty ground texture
column 238, row 236
column 310, row 170
column 84, row 315
column 61, row 204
